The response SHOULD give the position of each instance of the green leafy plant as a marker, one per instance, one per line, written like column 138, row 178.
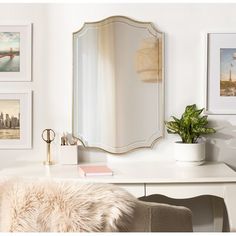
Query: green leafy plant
column 190, row 126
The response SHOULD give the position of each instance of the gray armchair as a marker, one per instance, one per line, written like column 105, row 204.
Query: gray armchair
column 68, row 206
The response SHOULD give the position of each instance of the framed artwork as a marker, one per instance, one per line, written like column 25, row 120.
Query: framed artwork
column 221, row 73
column 15, row 52
column 15, row 120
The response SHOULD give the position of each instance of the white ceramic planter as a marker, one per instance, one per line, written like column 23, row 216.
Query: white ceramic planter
column 189, row 153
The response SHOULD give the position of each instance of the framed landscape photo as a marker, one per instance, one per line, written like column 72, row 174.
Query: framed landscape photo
column 15, row 120
column 15, row 52
column 221, row 73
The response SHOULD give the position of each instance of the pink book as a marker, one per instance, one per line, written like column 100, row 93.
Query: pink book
column 95, row 170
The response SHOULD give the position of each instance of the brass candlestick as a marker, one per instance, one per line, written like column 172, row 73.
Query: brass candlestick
column 50, row 136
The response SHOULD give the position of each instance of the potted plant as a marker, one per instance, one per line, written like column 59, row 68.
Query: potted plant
column 190, row 127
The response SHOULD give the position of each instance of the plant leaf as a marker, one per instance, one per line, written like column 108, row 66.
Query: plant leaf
column 190, row 126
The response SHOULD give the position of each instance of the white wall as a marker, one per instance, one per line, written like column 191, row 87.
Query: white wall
column 183, row 25
column 36, row 14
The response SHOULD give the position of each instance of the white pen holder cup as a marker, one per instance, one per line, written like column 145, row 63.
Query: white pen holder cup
column 68, row 155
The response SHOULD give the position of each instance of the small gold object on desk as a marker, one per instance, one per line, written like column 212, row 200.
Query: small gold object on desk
column 48, row 135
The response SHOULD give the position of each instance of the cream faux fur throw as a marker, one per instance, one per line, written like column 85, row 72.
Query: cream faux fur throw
column 55, row 206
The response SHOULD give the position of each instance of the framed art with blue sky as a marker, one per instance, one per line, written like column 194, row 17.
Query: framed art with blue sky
column 15, row 52
column 221, row 73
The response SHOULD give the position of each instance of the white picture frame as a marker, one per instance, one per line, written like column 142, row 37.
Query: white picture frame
column 220, row 94
column 16, row 136
column 15, row 52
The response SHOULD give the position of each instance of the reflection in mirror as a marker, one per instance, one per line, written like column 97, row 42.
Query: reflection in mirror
column 118, row 84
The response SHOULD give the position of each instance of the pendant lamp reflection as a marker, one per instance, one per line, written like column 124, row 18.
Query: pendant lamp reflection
column 148, row 60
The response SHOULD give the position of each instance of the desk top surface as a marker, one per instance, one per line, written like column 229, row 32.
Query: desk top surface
column 138, row 172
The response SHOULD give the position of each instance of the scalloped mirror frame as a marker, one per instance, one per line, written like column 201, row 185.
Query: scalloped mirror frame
column 160, row 79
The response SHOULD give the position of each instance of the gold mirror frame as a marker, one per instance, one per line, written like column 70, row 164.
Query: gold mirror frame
column 153, row 31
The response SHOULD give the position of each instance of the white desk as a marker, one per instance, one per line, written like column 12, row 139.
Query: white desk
column 143, row 179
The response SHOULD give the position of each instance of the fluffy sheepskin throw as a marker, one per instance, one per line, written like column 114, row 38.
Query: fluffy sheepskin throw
column 49, row 206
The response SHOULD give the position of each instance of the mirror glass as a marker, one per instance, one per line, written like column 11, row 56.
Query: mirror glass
column 118, row 84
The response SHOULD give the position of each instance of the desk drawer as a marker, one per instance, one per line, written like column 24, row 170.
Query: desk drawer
column 135, row 189
column 185, row 190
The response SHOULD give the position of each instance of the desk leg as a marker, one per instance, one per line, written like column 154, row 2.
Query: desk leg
column 217, row 205
column 229, row 198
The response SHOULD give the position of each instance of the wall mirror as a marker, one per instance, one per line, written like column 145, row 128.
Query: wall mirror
column 118, row 81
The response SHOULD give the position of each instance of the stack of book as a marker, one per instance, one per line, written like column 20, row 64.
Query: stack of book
column 99, row 170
